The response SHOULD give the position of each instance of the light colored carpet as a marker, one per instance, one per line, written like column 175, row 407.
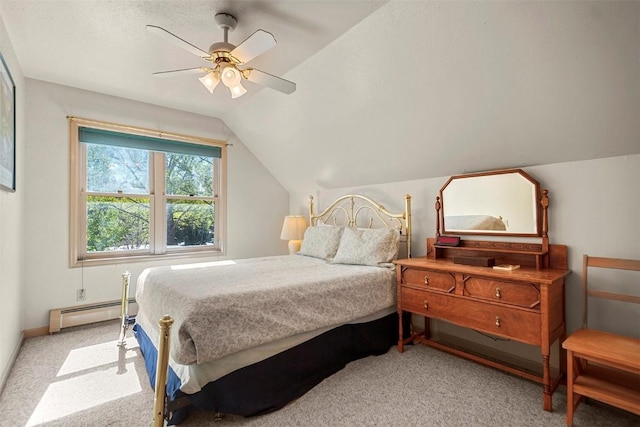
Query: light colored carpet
column 81, row 378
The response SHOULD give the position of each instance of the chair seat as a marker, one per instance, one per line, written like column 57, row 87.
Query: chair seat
column 615, row 350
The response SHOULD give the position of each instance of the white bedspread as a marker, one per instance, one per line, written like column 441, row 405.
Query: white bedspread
column 222, row 309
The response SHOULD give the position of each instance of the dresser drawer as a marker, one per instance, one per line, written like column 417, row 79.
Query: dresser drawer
column 430, row 279
column 511, row 322
column 520, row 294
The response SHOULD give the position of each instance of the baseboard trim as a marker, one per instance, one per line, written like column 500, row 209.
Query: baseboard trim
column 36, row 332
column 12, row 360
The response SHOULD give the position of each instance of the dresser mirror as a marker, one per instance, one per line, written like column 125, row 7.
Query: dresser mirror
column 503, row 202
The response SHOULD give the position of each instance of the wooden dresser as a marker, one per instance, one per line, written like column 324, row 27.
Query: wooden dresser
column 525, row 305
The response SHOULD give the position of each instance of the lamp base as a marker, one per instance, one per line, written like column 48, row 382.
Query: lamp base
column 294, row 246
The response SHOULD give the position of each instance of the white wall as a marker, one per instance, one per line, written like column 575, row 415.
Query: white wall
column 256, row 203
column 11, row 243
column 422, row 89
column 594, row 209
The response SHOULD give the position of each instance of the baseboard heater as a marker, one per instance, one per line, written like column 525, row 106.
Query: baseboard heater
column 61, row 318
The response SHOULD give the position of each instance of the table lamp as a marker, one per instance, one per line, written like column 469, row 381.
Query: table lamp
column 293, row 230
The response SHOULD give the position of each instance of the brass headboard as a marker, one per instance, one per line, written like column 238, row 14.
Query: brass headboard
column 351, row 210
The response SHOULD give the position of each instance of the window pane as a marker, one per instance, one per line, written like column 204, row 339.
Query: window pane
column 189, row 175
column 111, row 169
column 117, row 223
column 189, row 223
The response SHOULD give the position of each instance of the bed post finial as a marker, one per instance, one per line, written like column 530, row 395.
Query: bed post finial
column 407, row 214
column 311, row 213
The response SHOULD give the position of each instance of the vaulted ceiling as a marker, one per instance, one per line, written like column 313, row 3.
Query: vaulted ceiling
column 386, row 90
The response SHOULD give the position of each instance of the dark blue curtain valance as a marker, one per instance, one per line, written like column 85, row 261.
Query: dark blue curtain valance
column 119, row 139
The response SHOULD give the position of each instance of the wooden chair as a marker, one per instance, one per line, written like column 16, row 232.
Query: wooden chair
column 601, row 365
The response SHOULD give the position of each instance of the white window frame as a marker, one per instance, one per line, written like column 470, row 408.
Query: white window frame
column 78, row 255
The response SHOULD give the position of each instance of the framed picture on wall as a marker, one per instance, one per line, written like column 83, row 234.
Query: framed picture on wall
column 7, row 128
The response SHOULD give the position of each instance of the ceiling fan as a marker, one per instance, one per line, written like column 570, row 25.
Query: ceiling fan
column 228, row 62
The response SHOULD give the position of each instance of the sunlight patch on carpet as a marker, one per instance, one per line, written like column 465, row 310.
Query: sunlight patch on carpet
column 97, row 355
column 89, row 377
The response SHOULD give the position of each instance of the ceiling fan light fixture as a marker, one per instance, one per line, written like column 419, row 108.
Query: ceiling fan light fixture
column 225, row 58
column 230, row 75
column 237, row 91
column 210, row 81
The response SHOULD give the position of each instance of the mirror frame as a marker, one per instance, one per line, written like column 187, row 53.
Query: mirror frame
column 540, row 205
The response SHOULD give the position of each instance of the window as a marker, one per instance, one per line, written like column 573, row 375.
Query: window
column 140, row 193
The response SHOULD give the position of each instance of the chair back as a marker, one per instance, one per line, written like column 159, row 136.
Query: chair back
column 590, row 262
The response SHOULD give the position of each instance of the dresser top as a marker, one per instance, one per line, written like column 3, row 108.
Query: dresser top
column 523, row 274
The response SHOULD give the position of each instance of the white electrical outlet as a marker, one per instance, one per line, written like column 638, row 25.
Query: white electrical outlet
column 81, row 295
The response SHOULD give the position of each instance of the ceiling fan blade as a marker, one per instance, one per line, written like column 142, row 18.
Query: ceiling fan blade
column 182, row 72
column 170, row 37
column 269, row 80
column 256, row 44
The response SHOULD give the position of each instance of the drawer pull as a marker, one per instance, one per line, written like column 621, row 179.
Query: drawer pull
column 426, row 305
column 426, row 280
column 498, row 293
column 498, row 321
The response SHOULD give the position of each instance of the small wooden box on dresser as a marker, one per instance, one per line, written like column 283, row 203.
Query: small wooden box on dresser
column 525, row 305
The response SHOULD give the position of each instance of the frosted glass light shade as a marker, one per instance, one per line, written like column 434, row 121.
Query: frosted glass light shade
column 237, row 91
column 210, row 81
column 230, row 76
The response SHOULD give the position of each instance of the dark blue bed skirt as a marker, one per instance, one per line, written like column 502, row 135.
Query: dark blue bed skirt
column 272, row 383
column 150, row 354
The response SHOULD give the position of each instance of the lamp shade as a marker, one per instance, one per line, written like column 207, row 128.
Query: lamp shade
column 229, row 75
column 210, row 81
column 237, row 91
column 293, row 228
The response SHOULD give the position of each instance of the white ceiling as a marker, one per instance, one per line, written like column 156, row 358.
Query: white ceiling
column 103, row 46
column 386, row 91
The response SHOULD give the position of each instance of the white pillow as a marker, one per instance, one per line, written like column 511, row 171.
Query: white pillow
column 369, row 246
column 321, row 242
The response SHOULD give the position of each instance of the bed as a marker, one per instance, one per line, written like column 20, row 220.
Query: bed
column 248, row 336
